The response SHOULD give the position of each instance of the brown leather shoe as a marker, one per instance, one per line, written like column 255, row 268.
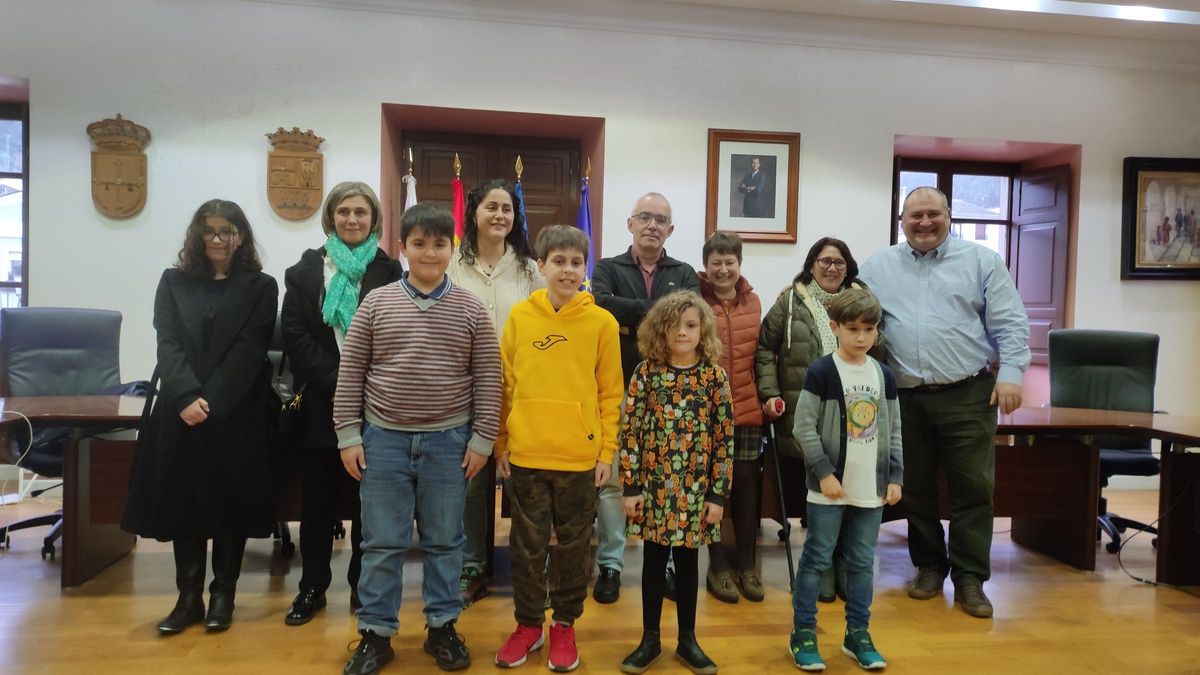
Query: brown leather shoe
column 927, row 584
column 752, row 586
column 720, row 584
column 974, row 601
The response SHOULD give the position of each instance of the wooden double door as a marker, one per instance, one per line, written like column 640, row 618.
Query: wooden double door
column 550, row 181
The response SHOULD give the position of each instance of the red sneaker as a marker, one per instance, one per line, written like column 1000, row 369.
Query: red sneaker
column 564, row 657
column 518, row 645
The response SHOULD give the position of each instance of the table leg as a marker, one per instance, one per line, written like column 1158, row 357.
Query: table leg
column 95, row 485
column 1179, row 511
column 1052, row 493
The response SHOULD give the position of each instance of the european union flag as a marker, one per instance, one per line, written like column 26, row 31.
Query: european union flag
column 520, row 192
column 584, row 222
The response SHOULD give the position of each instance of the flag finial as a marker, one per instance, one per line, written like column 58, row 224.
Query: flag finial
column 457, row 166
column 520, row 168
column 587, row 170
column 410, row 161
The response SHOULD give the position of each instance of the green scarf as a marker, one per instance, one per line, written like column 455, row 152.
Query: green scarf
column 341, row 299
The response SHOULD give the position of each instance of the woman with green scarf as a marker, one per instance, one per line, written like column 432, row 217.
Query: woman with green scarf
column 323, row 292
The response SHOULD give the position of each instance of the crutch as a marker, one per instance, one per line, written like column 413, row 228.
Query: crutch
column 785, row 534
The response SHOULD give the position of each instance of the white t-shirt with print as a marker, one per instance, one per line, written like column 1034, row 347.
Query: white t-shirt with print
column 862, row 389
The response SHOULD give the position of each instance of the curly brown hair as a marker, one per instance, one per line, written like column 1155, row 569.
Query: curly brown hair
column 192, row 260
column 654, row 334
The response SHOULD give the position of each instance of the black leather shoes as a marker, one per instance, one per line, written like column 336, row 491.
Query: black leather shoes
column 647, row 651
column 189, row 611
column 692, row 656
column 969, row 595
column 220, row 611
column 304, row 607
column 927, row 584
column 608, row 586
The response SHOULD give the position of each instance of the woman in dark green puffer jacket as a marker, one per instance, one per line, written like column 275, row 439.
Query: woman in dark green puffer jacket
column 796, row 332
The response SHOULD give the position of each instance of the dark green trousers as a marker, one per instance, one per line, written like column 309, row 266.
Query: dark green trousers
column 541, row 499
column 952, row 431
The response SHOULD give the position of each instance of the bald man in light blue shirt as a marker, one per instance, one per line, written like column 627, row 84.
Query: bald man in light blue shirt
column 958, row 342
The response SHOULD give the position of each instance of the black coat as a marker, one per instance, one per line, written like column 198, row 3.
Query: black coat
column 311, row 346
column 210, row 480
column 620, row 288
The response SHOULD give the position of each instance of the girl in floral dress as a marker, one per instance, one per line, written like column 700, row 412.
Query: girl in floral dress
column 676, row 449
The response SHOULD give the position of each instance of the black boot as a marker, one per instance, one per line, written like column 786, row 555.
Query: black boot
column 189, row 578
column 647, row 651
column 692, row 656
column 227, row 567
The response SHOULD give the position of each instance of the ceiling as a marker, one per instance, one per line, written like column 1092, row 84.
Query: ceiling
column 1151, row 20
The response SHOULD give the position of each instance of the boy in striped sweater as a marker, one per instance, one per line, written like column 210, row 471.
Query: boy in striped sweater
column 416, row 411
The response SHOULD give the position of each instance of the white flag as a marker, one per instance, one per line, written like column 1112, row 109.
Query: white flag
column 410, row 191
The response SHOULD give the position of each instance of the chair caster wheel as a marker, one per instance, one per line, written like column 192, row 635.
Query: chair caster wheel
column 1112, row 546
column 48, row 552
column 783, row 535
column 287, row 549
column 339, row 530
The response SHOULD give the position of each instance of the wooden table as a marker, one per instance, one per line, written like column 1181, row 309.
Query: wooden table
column 1048, row 482
column 1179, row 482
column 95, row 475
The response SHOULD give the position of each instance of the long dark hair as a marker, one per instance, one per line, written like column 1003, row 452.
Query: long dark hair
column 191, row 257
column 851, row 264
column 517, row 237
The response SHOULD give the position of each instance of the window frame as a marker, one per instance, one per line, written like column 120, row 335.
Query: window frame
column 945, row 170
column 19, row 111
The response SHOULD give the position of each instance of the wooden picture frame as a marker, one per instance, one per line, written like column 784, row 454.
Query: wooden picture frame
column 1160, row 230
column 753, row 184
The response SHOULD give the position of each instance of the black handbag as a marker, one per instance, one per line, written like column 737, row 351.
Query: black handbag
column 291, row 401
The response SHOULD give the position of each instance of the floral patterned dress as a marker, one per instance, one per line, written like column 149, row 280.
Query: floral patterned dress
column 676, row 450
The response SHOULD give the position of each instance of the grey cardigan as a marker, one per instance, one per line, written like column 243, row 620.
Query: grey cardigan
column 820, row 427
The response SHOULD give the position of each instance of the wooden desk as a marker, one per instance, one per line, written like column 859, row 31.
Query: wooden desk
column 1179, row 481
column 95, row 475
column 1047, row 481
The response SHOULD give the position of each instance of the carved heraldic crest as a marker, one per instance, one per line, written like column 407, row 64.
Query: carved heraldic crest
column 118, row 166
column 295, row 173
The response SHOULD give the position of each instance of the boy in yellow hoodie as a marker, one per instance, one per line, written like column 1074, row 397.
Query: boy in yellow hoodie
column 558, row 432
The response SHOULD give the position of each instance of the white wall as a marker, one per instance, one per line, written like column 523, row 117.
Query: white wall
column 209, row 79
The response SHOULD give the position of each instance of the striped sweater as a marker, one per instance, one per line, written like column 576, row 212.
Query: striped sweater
column 419, row 370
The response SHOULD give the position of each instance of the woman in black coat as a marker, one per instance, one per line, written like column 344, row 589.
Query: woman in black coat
column 323, row 292
column 201, row 468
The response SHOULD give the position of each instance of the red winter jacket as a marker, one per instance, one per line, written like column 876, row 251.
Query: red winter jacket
column 738, row 321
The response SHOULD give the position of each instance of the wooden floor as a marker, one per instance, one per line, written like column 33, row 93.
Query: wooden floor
column 1049, row 617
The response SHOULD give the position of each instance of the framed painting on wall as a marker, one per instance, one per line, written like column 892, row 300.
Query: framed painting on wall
column 753, row 184
column 1160, row 233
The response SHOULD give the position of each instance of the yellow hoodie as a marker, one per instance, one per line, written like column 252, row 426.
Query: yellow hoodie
column 562, row 384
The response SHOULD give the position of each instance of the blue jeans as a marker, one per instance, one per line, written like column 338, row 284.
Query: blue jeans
column 610, row 521
column 411, row 474
column 858, row 542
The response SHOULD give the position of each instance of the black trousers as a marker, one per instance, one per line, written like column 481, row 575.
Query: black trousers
column 325, row 482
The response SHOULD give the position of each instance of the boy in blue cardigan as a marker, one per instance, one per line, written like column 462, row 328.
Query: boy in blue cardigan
column 848, row 425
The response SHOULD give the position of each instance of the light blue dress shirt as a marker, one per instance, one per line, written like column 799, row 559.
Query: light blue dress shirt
column 948, row 313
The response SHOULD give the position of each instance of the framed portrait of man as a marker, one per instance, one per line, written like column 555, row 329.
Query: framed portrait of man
column 753, row 184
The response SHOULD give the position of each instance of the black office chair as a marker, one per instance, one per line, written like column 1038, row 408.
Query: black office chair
column 50, row 351
column 1110, row 370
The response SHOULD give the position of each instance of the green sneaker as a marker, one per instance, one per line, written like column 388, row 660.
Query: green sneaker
column 859, row 646
column 804, row 650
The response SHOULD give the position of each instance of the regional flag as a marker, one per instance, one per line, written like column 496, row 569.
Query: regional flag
column 459, row 210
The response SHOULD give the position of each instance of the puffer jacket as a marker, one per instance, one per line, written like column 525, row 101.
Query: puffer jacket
column 738, row 327
column 787, row 344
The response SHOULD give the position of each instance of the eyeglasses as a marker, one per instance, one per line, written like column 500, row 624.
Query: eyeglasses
column 645, row 217
column 219, row 236
column 835, row 263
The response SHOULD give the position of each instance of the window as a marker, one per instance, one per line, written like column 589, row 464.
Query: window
column 13, row 212
column 980, row 197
